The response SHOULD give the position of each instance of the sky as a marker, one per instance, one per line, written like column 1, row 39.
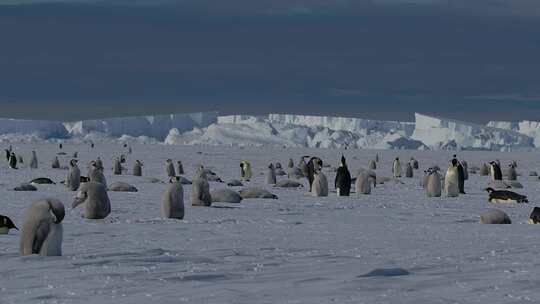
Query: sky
column 474, row 60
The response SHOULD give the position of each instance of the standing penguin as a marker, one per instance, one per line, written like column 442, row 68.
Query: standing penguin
column 409, row 171
column 342, row 182
column 8, row 154
column 270, row 175
column 303, row 166
column 314, row 164
column 451, row 186
column 200, row 189
column 511, row 174
column 461, row 175
column 33, row 160
column 180, row 168
column 137, row 168
column 320, row 184
column 95, row 173
column 117, row 168
column 433, row 184
column 60, row 146
column 55, row 163
column 362, row 184
column 42, row 230
column 99, row 163
column 377, row 157
column 169, row 168
column 13, row 161
column 495, row 171
column 372, row 165
column 414, row 163
column 94, row 196
column 484, row 171
column 73, row 179
column 172, row 201
column 291, row 163
column 245, row 170
column 396, row 168
column 465, row 169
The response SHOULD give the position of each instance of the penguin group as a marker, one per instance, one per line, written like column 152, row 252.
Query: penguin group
column 42, row 227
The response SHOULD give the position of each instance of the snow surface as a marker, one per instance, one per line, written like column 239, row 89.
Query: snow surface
column 393, row 246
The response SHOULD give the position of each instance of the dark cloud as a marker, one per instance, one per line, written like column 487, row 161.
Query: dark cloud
column 377, row 59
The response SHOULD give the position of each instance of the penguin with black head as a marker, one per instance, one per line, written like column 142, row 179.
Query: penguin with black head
column 495, row 170
column 343, row 179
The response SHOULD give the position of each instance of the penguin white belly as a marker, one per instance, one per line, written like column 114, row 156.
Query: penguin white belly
column 4, row 230
column 451, row 183
column 502, row 201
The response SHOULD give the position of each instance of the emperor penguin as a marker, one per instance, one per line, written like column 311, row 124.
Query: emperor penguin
column 270, row 175
column 137, row 168
column 314, row 164
column 289, row 165
column 511, row 173
column 42, row 230
column 433, row 185
column 60, row 146
column 320, row 184
column 13, row 161
column 303, row 166
column 200, row 189
column 372, row 165
column 117, row 169
column 414, row 163
column 94, row 196
column 495, row 171
column 377, row 157
column 396, row 168
column 495, row 216
column 461, row 175
column 451, row 179
column 33, row 161
column 95, row 173
column 180, row 168
column 484, row 171
column 342, row 183
column 99, row 163
column 73, row 179
column 6, row 224
column 8, row 154
column 172, row 201
column 362, row 184
column 465, row 169
column 245, row 170
column 409, row 171
column 169, row 168
column 55, row 163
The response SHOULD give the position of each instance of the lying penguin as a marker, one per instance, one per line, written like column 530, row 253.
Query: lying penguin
column 42, row 181
column 505, row 196
column 6, row 224
column 534, row 218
